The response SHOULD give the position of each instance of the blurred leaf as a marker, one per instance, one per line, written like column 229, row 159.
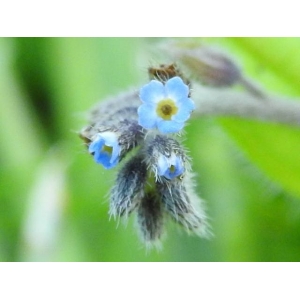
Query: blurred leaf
column 272, row 147
column 274, row 63
column 18, row 123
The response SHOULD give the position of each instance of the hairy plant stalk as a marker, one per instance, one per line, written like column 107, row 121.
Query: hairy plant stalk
column 229, row 102
column 252, row 87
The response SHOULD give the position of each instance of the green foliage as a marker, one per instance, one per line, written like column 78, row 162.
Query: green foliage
column 249, row 172
column 274, row 63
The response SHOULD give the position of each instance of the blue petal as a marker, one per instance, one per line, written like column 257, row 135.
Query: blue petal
column 162, row 165
column 152, row 92
column 96, row 145
column 105, row 159
column 185, row 107
column 147, row 116
column 179, row 169
column 186, row 102
column 110, row 138
column 169, row 126
column 176, row 88
column 108, row 164
column 115, row 154
column 167, row 174
column 102, row 157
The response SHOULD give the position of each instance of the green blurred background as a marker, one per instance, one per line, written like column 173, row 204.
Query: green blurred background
column 53, row 196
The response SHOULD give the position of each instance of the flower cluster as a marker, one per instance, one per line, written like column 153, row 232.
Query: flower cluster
column 156, row 180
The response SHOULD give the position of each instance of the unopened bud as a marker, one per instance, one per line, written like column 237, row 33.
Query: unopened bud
column 165, row 72
column 129, row 187
column 150, row 218
column 183, row 205
column 207, row 64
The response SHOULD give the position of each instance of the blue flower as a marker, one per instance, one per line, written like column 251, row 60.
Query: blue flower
column 165, row 107
column 106, row 149
column 170, row 167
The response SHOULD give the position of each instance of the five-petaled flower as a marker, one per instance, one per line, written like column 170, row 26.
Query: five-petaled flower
column 165, row 106
column 105, row 149
column 170, row 167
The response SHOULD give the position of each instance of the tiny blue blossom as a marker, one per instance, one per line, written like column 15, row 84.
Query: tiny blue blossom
column 165, row 106
column 170, row 167
column 106, row 149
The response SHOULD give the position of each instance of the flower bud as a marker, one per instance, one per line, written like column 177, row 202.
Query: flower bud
column 150, row 218
column 183, row 205
column 165, row 72
column 208, row 64
column 129, row 187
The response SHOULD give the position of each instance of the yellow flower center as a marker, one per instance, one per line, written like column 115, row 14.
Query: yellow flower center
column 166, row 109
column 172, row 169
column 107, row 149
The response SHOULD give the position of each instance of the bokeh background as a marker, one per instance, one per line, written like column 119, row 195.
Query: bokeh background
column 53, row 197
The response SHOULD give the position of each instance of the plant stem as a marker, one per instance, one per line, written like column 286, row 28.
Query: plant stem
column 228, row 102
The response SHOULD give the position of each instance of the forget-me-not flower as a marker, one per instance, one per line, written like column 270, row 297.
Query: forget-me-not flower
column 165, row 106
column 106, row 149
column 170, row 167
